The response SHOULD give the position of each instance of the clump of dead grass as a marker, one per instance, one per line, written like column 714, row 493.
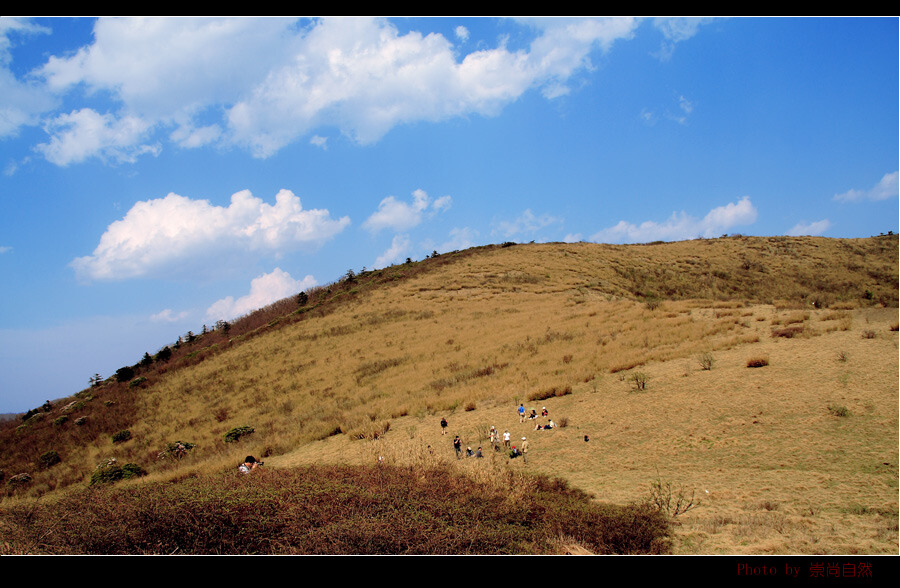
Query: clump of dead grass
column 758, row 361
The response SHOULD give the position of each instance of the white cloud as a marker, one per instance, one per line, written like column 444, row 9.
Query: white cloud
column 13, row 26
column 441, row 204
column 809, row 229
column 527, row 222
column 188, row 137
column 162, row 71
column 170, row 68
column 86, row 133
column 462, row 33
column 565, row 45
column 460, row 239
column 685, row 108
column 264, row 290
column 319, row 141
column 168, row 316
column 886, row 188
column 399, row 249
column 22, row 101
column 364, row 77
column 401, row 216
column 681, row 226
column 263, row 83
column 176, row 234
column 5, row 249
column 676, row 30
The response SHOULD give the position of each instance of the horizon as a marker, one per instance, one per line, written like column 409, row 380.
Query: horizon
column 161, row 174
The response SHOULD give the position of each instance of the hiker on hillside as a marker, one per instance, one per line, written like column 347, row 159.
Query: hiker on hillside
column 457, row 446
column 249, row 465
column 469, row 452
column 533, row 414
column 544, row 411
column 524, row 450
column 506, row 438
column 495, row 438
column 521, row 411
column 478, row 453
column 443, row 426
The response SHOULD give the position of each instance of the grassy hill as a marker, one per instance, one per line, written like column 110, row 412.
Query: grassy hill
column 644, row 348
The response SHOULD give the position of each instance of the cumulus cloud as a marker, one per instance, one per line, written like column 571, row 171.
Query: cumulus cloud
column 264, row 83
column 401, row 216
column 809, row 229
column 681, row 225
column 886, row 188
column 170, row 68
column 399, row 249
column 23, row 101
column 189, row 137
column 264, row 290
column 177, row 234
column 160, row 72
column 86, row 133
column 565, row 44
column 363, row 76
column 527, row 222
column 5, row 248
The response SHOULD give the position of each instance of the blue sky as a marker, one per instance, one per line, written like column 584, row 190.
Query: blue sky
column 157, row 175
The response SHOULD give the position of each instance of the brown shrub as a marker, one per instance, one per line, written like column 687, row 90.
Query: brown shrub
column 550, row 393
column 788, row 332
column 754, row 362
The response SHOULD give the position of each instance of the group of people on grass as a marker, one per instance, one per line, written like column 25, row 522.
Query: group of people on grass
column 250, row 463
column 505, row 438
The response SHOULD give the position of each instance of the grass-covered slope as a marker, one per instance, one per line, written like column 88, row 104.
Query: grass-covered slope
column 367, row 366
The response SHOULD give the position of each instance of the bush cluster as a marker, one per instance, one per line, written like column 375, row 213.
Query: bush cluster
column 235, row 434
column 50, row 459
column 109, row 472
column 121, row 436
column 334, row 510
column 175, row 450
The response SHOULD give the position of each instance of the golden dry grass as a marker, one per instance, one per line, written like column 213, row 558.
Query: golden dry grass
column 476, row 336
column 773, row 469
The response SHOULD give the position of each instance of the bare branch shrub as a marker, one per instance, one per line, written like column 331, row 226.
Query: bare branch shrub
column 639, row 380
column 665, row 497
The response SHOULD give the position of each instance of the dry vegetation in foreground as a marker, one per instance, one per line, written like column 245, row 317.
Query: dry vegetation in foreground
column 368, row 367
column 335, row 510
